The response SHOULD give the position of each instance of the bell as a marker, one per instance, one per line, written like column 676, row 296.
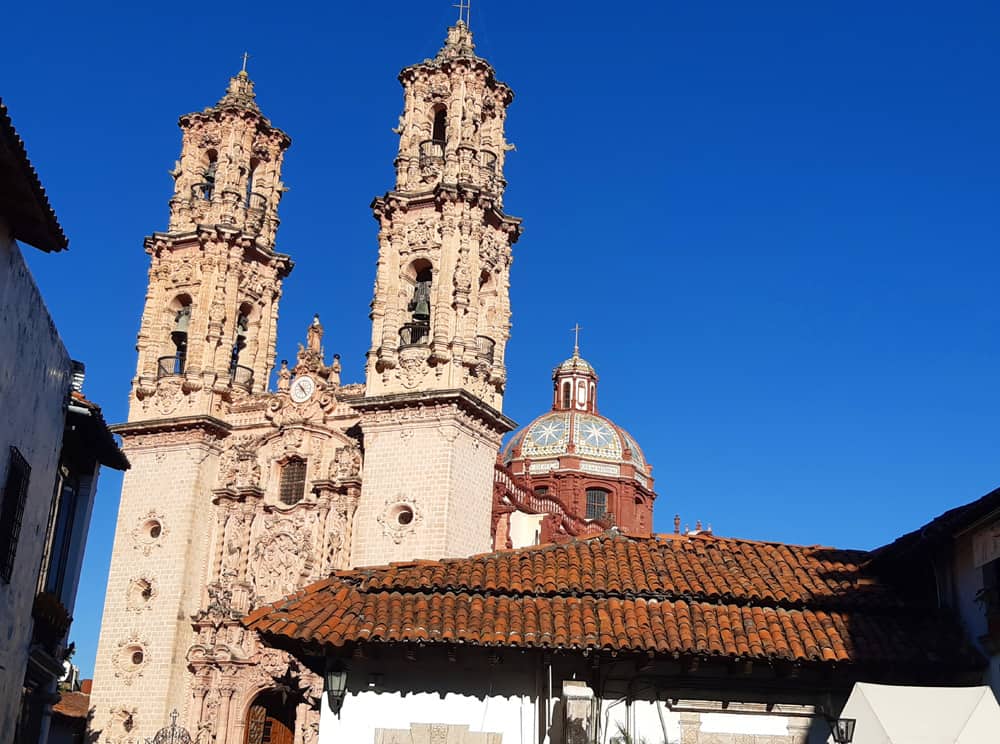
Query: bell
column 182, row 320
column 421, row 309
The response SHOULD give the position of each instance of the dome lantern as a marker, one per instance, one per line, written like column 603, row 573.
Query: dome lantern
column 575, row 384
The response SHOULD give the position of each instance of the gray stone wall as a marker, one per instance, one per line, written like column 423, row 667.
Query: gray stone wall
column 34, row 381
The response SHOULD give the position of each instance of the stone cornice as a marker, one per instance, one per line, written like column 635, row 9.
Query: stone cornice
column 393, row 200
column 208, row 424
column 433, row 398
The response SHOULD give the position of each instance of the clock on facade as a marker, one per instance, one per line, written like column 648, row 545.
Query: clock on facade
column 302, row 388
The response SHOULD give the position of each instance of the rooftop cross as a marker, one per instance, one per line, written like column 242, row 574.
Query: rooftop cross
column 576, row 339
column 246, row 56
column 464, row 11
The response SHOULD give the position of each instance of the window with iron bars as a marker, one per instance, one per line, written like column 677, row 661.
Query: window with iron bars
column 597, row 503
column 293, row 482
column 15, row 492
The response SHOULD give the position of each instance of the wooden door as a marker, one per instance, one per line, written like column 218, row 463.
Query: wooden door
column 264, row 728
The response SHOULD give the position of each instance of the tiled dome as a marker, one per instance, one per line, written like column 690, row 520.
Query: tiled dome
column 575, row 363
column 592, row 436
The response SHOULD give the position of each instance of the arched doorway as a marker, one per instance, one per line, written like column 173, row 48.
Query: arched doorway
column 271, row 719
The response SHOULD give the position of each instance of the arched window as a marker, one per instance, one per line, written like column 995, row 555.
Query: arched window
column 541, row 490
column 417, row 331
column 567, row 395
column 292, row 487
column 174, row 363
column 207, row 186
column 250, row 202
column 440, row 129
column 597, row 503
column 240, row 374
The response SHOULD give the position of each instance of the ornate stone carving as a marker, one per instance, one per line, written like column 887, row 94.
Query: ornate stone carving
column 281, row 558
column 169, row 396
column 141, row 592
column 346, row 464
column 400, row 517
column 412, row 367
column 149, row 532
column 131, row 657
column 239, row 466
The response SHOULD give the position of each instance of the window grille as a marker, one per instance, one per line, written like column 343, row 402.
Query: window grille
column 293, row 482
column 12, row 510
column 597, row 503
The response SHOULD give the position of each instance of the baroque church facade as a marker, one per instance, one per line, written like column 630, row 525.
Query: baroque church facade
column 240, row 494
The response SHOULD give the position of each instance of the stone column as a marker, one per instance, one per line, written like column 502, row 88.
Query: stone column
column 222, row 728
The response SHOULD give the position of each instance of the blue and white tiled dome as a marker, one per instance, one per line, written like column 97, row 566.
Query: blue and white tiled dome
column 573, row 435
column 588, row 436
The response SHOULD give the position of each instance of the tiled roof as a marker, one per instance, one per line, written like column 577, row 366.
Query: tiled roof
column 72, row 705
column 941, row 529
column 699, row 595
column 94, row 434
column 22, row 199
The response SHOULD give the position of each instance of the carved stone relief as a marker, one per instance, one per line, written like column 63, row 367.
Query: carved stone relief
column 281, row 559
column 130, row 658
column 400, row 517
column 149, row 532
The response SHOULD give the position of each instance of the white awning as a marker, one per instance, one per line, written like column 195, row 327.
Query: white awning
column 891, row 714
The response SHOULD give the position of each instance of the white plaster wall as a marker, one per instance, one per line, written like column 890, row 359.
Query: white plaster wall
column 514, row 717
column 34, row 380
column 525, row 529
column 968, row 579
column 642, row 719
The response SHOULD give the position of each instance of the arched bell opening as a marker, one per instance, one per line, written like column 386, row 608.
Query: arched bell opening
column 179, row 320
column 271, row 719
column 419, row 276
column 239, row 371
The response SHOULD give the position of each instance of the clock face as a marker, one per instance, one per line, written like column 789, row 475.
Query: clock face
column 302, row 388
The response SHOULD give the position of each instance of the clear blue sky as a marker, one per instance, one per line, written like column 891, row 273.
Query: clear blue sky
column 777, row 223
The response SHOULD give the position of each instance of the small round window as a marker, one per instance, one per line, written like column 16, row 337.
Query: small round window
column 403, row 515
column 152, row 529
column 132, row 657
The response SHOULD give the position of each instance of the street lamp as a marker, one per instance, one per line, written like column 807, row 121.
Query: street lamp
column 336, row 686
column 842, row 729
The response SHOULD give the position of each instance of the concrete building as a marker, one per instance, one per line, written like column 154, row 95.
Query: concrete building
column 52, row 444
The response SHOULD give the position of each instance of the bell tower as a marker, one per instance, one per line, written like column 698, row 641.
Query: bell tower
column 208, row 326
column 440, row 316
column 206, row 344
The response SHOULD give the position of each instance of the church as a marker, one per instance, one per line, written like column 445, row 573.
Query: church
column 240, row 494
column 538, row 557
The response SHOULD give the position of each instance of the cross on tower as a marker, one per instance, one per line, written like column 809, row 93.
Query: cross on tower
column 464, row 11
column 576, row 339
column 246, row 56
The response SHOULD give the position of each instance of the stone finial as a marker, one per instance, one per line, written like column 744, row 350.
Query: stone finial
column 240, row 93
column 459, row 43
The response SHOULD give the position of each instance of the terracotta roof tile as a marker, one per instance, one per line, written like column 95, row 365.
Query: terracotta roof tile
column 705, row 595
column 72, row 705
column 22, row 198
